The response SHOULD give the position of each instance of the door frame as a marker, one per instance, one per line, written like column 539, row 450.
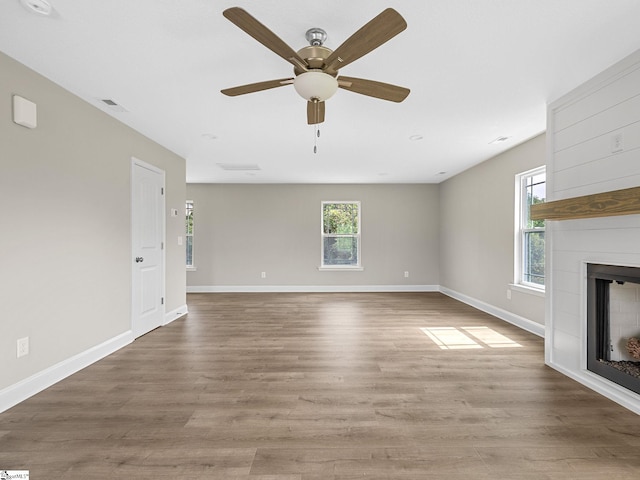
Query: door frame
column 136, row 162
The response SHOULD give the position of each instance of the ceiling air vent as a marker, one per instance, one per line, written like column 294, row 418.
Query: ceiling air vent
column 499, row 140
column 239, row 167
column 41, row 7
column 113, row 105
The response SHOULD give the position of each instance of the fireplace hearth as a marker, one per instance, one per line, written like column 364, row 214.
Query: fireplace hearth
column 613, row 319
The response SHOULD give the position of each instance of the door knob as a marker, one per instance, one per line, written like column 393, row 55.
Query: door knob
column 139, row 259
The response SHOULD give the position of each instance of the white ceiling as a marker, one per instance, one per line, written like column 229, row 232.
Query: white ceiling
column 477, row 70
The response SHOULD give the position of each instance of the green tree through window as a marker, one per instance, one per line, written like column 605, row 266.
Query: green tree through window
column 189, row 232
column 532, row 232
column 341, row 234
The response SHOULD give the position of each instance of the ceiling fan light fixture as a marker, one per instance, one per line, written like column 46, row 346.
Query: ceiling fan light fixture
column 315, row 85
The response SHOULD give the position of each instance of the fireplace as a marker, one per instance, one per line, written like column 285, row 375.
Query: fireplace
column 613, row 324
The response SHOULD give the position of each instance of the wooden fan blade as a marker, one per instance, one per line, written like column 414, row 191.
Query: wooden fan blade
column 243, row 20
column 256, row 87
column 384, row 91
column 315, row 112
column 378, row 31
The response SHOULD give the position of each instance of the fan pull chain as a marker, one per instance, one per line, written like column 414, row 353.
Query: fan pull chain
column 315, row 138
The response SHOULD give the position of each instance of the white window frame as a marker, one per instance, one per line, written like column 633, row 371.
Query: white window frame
column 358, row 237
column 521, row 230
column 189, row 235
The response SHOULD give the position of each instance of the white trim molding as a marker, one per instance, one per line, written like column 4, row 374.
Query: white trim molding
column 517, row 320
column 538, row 292
column 175, row 314
column 346, row 268
column 18, row 392
column 310, row 288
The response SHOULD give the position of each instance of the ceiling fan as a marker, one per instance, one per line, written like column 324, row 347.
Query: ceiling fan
column 316, row 67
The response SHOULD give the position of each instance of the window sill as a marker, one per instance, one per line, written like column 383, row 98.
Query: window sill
column 538, row 292
column 335, row 268
column 191, row 269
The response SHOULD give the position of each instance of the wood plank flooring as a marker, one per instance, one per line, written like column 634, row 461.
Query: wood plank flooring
column 323, row 387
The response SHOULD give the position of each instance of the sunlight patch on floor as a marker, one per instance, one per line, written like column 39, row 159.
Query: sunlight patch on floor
column 464, row 338
column 450, row 338
column 491, row 338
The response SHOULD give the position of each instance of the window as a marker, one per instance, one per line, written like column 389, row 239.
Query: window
column 530, row 237
column 341, row 235
column 189, row 233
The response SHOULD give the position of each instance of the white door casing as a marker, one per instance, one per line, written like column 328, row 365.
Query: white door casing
column 147, row 256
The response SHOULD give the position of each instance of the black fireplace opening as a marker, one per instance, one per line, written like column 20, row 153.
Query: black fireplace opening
column 613, row 324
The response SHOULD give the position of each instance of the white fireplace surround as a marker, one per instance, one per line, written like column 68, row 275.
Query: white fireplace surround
column 583, row 157
column 561, row 361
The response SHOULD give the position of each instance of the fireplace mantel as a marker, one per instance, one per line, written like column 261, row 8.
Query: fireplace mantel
column 608, row 204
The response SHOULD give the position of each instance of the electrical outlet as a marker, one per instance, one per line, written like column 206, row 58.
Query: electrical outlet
column 22, row 347
column 616, row 143
column 263, row 274
column 508, row 294
column 406, row 274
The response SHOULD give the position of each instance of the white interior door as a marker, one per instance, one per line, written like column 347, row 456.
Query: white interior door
column 147, row 259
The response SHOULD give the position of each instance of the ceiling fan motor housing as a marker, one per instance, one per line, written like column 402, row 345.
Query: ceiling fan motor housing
column 315, row 57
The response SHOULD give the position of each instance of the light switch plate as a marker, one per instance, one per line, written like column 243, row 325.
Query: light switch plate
column 25, row 112
column 616, row 143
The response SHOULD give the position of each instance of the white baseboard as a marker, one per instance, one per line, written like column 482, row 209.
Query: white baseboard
column 18, row 392
column 310, row 288
column 517, row 320
column 175, row 314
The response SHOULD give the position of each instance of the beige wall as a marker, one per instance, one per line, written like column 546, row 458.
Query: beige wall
column 243, row 230
column 477, row 231
column 65, row 243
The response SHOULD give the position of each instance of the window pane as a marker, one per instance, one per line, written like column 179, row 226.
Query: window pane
column 538, row 193
column 535, row 191
column 536, row 178
column 533, row 268
column 340, row 250
column 189, row 251
column 189, row 218
column 340, row 218
column 189, row 232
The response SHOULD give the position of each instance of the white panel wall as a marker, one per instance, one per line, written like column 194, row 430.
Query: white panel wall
column 594, row 146
column 584, row 129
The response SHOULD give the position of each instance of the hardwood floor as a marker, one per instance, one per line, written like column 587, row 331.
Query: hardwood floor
column 323, row 387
